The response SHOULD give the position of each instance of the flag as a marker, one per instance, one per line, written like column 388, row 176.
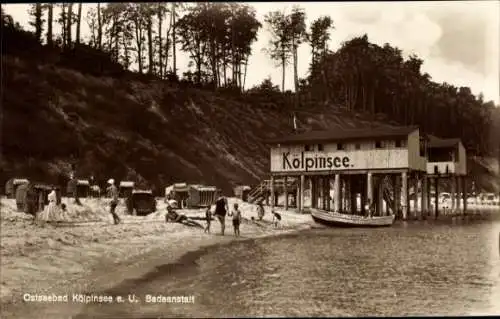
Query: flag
column 294, row 122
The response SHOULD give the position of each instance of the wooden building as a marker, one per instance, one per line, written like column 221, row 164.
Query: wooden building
column 12, row 184
column 178, row 192
column 242, row 191
column 376, row 165
column 447, row 160
column 125, row 188
column 81, row 186
column 201, row 196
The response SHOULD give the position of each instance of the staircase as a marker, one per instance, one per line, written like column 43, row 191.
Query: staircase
column 260, row 191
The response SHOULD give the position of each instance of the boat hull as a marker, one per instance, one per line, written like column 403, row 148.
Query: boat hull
column 346, row 220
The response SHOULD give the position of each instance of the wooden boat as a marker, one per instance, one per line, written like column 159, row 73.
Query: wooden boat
column 347, row 220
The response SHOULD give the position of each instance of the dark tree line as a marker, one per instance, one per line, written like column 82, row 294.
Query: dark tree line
column 361, row 76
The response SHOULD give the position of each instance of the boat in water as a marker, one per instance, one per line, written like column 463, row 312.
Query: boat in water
column 347, row 220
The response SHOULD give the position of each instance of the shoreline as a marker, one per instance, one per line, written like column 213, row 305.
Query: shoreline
column 97, row 256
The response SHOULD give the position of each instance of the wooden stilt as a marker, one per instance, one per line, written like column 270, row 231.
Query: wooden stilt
column 416, row 185
column 285, row 188
column 423, row 198
column 464, row 196
column 455, row 193
column 273, row 194
column 337, row 194
column 369, row 190
column 301, row 192
column 380, row 197
column 436, row 197
column 404, row 193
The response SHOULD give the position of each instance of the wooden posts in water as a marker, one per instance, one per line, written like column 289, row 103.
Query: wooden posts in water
column 454, row 199
column 404, row 193
column 369, row 189
column 464, row 194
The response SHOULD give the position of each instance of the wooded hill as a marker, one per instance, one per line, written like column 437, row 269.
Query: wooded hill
column 75, row 101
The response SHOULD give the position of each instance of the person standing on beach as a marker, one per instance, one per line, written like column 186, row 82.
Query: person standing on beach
column 236, row 214
column 113, row 193
column 260, row 211
column 221, row 209
column 208, row 216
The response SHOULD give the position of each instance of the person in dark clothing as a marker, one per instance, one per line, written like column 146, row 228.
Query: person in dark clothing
column 221, row 209
column 113, row 193
column 276, row 219
column 208, row 216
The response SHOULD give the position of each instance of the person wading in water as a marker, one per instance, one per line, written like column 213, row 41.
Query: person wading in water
column 113, row 193
column 236, row 213
column 221, row 209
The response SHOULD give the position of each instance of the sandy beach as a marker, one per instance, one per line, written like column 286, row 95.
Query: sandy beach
column 91, row 254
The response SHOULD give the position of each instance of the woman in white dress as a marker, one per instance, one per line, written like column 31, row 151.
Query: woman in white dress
column 51, row 211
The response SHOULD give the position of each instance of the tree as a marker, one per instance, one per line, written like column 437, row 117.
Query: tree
column 50, row 20
column 318, row 38
column 63, row 17
column 136, row 14
column 78, row 22
column 99, row 26
column 70, row 24
column 279, row 50
column 298, row 35
column 36, row 13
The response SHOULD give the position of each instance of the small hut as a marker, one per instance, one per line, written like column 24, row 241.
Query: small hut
column 242, row 192
column 126, row 188
column 95, row 191
column 81, row 186
column 12, row 184
column 179, row 192
column 201, row 196
column 32, row 198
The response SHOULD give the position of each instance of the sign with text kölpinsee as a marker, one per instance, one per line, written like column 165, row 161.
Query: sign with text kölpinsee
column 309, row 161
column 300, row 161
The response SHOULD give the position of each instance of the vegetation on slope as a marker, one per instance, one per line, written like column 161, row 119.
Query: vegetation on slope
column 71, row 102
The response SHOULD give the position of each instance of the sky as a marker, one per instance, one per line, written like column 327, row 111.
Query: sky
column 459, row 41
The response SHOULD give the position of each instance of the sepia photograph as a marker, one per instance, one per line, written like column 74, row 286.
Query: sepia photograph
column 249, row 159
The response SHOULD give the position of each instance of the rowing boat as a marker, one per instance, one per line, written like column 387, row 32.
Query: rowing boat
column 348, row 220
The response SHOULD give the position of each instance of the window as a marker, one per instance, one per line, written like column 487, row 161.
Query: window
column 320, row 148
column 357, row 146
column 398, row 143
column 307, row 148
column 340, row 147
column 378, row 144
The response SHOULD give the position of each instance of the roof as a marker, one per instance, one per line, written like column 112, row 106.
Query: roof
column 126, row 184
column 242, row 187
column 16, row 181
column 82, row 182
column 341, row 134
column 142, row 191
column 436, row 142
column 204, row 188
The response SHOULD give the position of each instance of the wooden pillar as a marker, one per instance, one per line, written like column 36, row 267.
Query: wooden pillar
column 353, row 193
column 455, row 193
column 394, row 195
column 285, row 187
column 271, row 186
column 338, row 194
column 429, row 183
column 327, row 192
column 417, row 186
column 369, row 189
column 301, row 193
column 436, row 197
column 380, row 197
column 464, row 195
column 423, row 198
column 397, row 195
column 404, row 193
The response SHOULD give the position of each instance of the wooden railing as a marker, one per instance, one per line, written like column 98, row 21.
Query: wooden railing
column 264, row 187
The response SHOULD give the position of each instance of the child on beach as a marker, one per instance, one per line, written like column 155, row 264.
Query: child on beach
column 276, row 219
column 236, row 220
column 208, row 216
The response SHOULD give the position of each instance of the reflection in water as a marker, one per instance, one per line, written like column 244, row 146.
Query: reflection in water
column 416, row 269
